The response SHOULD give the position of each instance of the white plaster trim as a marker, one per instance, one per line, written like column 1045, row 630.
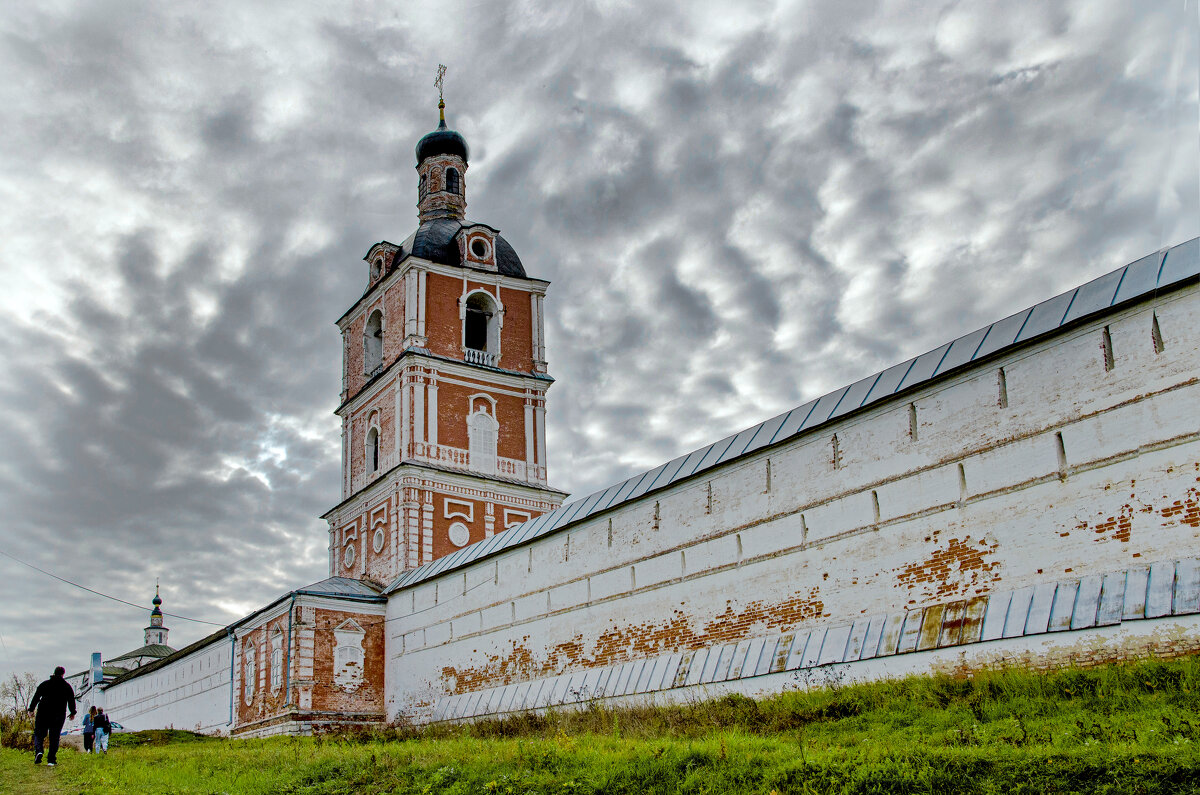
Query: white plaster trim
column 461, row 508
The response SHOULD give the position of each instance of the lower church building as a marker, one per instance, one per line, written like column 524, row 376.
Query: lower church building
column 1027, row 492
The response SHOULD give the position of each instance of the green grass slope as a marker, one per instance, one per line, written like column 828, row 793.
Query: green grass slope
column 1111, row 729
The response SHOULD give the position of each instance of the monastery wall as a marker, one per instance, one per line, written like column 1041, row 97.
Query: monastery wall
column 1042, row 503
column 191, row 692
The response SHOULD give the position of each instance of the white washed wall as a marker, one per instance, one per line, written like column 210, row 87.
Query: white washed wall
column 1086, row 471
column 190, row 693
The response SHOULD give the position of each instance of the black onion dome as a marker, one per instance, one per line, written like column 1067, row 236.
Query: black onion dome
column 434, row 241
column 442, row 141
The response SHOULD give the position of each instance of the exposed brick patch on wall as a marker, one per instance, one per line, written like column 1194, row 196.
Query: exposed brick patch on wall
column 634, row 641
column 1115, row 528
column 1185, row 511
column 956, row 569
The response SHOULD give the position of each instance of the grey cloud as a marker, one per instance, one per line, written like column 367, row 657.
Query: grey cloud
column 738, row 213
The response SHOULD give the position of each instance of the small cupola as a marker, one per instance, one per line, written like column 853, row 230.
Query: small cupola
column 156, row 633
column 441, row 173
column 442, row 168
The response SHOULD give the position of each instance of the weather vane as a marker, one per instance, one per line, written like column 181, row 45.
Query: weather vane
column 440, row 78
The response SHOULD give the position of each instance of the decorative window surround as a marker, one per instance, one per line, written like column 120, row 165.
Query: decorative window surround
column 348, row 654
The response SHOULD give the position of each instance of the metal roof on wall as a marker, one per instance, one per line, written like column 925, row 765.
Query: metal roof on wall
column 1162, row 269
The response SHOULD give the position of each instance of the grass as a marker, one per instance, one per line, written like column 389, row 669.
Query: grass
column 1117, row 728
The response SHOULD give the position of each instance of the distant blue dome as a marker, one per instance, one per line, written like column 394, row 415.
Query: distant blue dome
column 442, row 141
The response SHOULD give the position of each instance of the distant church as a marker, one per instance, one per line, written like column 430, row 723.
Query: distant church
column 1025, row 492
column 153, row 649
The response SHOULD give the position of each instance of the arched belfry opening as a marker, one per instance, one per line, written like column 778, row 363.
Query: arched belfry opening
column 373, row 343
column 453, row 181
column 481, row 328
column 373, row 450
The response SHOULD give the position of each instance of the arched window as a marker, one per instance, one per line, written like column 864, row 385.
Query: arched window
column 482, row 430
column 373, row 343
column 372, row 450
column 251, row 673
column 422, row 184
column 348, row 655
column 481, row 325
column 276, row 660
column 453, row 182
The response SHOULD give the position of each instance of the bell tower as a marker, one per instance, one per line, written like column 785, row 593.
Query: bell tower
column 156, row 633
column 444, row 381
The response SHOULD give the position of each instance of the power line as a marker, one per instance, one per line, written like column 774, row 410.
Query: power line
column 106, row 596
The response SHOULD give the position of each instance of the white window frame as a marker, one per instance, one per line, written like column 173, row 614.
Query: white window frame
column 372, row 428
column 348, row 654
column 483, row 439
column 495, row 324
column 249, row 671
column 276, row 659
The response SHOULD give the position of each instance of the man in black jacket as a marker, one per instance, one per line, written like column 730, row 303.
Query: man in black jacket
column 50, row 700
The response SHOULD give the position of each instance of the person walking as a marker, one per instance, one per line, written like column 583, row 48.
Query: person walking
column 89, row 729
column 103, row 729
column 50, row 702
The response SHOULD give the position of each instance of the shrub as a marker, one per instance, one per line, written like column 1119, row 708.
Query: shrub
column 16, row 731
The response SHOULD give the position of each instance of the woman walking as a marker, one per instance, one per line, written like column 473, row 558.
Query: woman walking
column 103, row 729
column 89, row 729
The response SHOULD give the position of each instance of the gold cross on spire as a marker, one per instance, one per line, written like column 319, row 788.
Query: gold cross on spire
column 439, row 83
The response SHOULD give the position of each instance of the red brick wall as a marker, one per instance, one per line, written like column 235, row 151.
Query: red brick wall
column 453, row 409
column 385, row 404
column 393, row 330
column 443, row 325
column 391, row 301
column 327, row 696
column 380, row 565
column 516, row 340
column 477, row 525
column 266, row 701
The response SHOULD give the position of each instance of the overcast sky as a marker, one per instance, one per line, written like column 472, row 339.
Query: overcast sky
column 739, row 209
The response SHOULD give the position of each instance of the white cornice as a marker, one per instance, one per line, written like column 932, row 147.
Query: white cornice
column 509, row 379
column 391, row 481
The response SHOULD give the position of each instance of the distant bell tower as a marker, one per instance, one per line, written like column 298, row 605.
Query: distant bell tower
column 156, row 633
column 444, row 382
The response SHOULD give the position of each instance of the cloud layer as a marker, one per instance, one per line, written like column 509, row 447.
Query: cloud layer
column 739, row 209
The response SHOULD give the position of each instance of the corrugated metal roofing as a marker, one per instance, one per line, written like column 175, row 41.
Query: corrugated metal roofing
column 1154, row 272
column 153, row 650
column 338, row 586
